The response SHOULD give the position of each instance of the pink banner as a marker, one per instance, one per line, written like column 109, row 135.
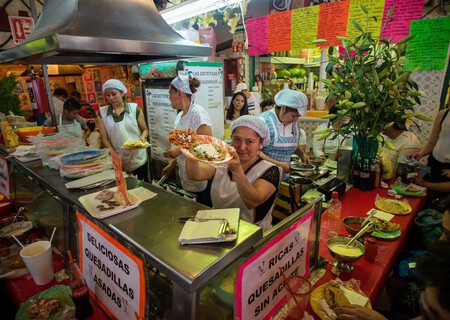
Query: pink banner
column 404, row 12
column 257, row 36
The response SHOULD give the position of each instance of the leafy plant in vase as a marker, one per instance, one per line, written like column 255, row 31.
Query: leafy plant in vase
column 370, row 88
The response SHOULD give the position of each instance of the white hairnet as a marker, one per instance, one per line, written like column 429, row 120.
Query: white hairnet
column 292, row 99
column 256, row 124
column 182, row 83
column 114, row 84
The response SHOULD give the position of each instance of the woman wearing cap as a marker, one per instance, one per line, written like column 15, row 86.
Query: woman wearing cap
column 120, row 121
column 253, row 99
column 194, row 116
column 284, row 133
column 249, row 183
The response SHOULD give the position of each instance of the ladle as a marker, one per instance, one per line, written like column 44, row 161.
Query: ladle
column 360, row 232
column 371, row 214
column 18, row 213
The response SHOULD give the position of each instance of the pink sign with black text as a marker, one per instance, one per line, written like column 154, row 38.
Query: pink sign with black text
column 259, row 285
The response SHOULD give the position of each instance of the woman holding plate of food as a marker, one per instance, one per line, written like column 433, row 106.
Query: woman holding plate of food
column 191, row 115
column 119, row 122
column 249, row 182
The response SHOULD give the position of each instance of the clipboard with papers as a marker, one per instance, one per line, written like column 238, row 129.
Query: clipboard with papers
column 210, row 226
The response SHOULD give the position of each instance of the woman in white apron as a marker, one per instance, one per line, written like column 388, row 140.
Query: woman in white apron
column 249, row 183
column 120, row 121
column 193, row 116
column 282, row 124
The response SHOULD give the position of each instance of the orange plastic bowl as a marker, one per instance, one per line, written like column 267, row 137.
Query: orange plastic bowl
column 25, row 134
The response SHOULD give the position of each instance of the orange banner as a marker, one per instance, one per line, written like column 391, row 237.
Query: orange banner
column 279, row 31
column 333, row 18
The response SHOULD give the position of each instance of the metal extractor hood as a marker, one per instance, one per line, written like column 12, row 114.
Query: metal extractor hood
column 101, row 32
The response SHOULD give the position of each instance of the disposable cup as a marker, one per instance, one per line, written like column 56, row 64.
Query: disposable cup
column 298, row 292
column 38, row 259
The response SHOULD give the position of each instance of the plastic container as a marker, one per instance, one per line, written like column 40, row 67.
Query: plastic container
column 334, row 215
column 371, row 249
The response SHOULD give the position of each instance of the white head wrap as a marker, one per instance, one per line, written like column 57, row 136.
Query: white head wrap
column 292, row 99
column 256, row 124
column 182, row 83
column 114, row 84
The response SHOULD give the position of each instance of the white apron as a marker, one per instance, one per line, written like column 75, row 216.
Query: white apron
column 224, row 193
column 73, row 129
column 119, row 132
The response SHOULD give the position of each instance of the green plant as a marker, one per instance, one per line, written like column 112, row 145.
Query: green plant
column 9, row 101
column 369, row 84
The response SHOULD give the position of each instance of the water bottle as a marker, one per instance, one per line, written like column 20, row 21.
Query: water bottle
column 334, row 215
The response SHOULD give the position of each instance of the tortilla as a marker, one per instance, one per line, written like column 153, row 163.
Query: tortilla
column 183, row 138
column 208, row 152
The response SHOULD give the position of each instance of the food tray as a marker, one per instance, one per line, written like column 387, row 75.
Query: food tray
column 90, row 204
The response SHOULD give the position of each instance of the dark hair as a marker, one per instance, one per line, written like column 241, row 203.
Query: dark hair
column 91, row 125
column 266, row 103
column 401, row 125
column 72, row 105
column 244, row 110
column 288, row 109
column 60, row 92
column 194, row 83
column 333, row 109
column 434, row 269
column 76, row 95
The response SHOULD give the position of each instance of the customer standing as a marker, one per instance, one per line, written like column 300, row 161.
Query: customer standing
column 253, row 99
column 284, row 133
column 191, row 115
column 238, row 107
column 249, row 182
column 120, row 121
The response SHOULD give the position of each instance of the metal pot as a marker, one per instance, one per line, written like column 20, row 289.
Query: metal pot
column 305, row 183
column 301, row 167
column 19, row 229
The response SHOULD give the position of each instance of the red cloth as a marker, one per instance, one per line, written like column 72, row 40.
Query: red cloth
column 371, row 274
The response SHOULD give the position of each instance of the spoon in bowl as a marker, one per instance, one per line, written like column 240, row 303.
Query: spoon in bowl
column 360, row 232
column 18, row 213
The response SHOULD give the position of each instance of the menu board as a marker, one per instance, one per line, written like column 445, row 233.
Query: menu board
column 429, row 48
column 404, row 12
column 160, row 117
column 374, row 7
column 304, row 27
column 332, row 24
column 257, row 36
column 279, row 31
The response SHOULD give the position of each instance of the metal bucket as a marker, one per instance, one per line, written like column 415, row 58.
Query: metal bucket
column 305, row 183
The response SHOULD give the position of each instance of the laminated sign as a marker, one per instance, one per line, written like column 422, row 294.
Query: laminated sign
column 115, row 276
column 260, row 288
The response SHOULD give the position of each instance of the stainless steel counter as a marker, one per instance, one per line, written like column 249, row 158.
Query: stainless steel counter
column 153, row 229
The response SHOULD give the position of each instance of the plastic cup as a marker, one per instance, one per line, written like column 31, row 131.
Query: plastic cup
column 38, row 259
column 298, row 291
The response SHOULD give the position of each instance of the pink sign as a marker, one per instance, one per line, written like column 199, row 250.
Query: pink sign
column 404, row 12
column 259, row 285
column 257, row 36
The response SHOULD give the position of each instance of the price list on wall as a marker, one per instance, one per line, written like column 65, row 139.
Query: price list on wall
column 161, row 118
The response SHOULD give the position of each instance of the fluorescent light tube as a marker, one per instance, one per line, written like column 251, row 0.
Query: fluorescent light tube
column 192, row 8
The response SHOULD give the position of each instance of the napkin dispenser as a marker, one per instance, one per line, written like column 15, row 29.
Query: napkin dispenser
column 334, row 184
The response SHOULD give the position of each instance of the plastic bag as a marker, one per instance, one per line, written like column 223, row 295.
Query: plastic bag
column 50, row 146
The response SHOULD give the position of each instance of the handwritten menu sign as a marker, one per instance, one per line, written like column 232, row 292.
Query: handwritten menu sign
column 404, row 12
column 279, row 31
column 333, row 19
column 428, row 49
column 115, row 276
column 259, row 284
column 304, row 27
column 375, row 8
column 257, row 36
